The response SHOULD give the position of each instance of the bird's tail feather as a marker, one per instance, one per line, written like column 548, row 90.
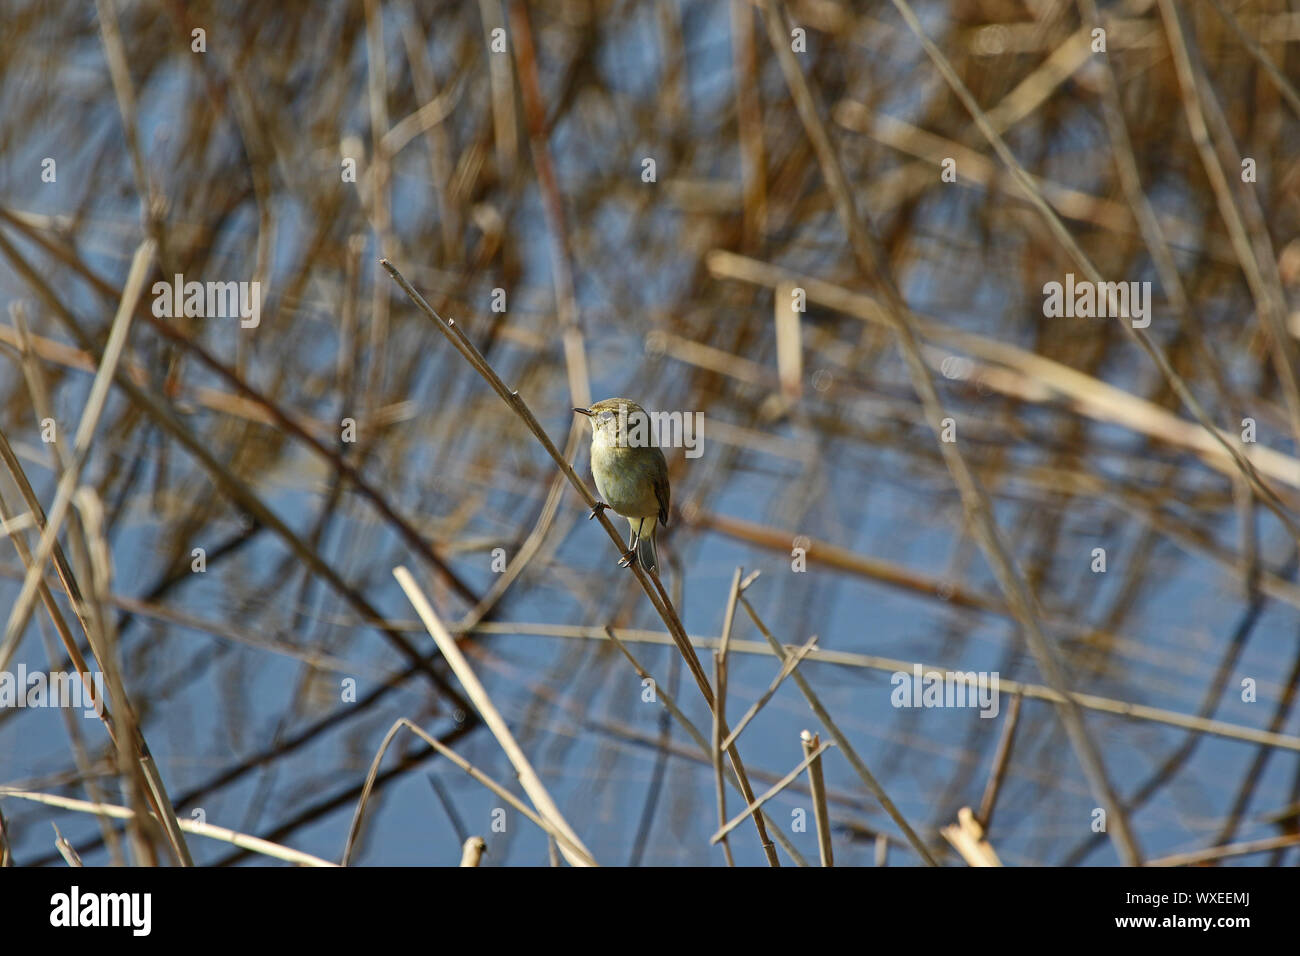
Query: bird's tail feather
column 645, row 546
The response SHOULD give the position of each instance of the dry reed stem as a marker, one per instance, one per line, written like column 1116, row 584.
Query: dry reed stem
column 1254, row 251
column 358, row 814
column 1284, row 85
column 6, row 851
column 967, row 838
column 1057, row 228
column 246, row 401
column 715, row 748
column 787, row 667
column 473, row 850
column 670, row 704
column 1107, row 705
column 873, row 263
column 528, row 778
column 82, row 441
column 811, row 745
column 865, row 775
column 135, row 759
column 209, row 830
column 1087, row 394
column 1245, row 848
column 64, row 632
column 1000, row 760
column 230, row 483
column 132, row 749
column 720, row 704
column 65, row 848
column 770, row 793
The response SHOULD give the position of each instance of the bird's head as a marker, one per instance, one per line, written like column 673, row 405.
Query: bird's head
column 612, row 417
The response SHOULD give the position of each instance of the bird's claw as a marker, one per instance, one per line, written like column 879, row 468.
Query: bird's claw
column 597, row 509
column 626, row 560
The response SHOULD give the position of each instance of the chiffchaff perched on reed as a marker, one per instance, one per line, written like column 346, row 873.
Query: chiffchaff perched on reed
column 631, row 473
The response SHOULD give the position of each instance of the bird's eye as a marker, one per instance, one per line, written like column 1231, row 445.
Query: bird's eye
column 606, row 415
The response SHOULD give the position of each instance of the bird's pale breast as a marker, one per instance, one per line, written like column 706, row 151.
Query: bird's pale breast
column 625, row 479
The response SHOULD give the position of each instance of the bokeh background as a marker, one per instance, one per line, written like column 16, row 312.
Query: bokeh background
column 618, row 198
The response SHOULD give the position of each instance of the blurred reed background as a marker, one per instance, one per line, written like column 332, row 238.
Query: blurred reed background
column 626, row 199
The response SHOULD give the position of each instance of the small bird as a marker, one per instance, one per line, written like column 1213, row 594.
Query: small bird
column 631, row 474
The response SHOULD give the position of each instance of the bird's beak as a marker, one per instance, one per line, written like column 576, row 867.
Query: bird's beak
column 583, row 411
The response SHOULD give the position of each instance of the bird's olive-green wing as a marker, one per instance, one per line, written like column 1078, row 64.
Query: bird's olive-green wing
column 662, row 491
